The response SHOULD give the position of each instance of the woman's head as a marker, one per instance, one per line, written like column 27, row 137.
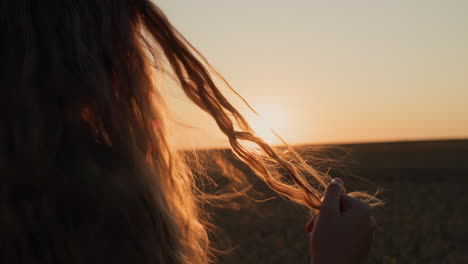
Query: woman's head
column 87, row 171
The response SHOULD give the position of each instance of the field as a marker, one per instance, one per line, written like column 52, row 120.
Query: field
column 424, row 219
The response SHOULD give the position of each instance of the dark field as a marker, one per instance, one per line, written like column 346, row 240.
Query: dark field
column 424, row 219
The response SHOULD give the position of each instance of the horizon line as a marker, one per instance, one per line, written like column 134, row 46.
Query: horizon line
column 330, row 143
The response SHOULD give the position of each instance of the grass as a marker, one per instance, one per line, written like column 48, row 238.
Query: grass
column 423, row 221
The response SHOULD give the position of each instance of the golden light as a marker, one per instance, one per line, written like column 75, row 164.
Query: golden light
column 272, row 117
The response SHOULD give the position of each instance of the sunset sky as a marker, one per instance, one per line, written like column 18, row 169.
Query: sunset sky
column 331, row 71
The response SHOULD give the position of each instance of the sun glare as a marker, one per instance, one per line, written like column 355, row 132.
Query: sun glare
column 272, row 117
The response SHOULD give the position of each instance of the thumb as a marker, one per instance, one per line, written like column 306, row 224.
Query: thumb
column 331, row 201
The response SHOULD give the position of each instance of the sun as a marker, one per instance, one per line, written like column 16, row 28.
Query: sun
column 272, row 117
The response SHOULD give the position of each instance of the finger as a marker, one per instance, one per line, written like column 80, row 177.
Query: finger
column 331, row 201
column 346, row 202
column 354, row 206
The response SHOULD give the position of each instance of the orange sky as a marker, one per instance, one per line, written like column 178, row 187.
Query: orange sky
column 331, row 71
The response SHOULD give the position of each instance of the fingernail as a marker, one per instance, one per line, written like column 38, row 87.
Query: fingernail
column 339, row 181
column 310, row 224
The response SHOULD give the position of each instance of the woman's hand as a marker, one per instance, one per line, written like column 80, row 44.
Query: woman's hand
column 343, row 230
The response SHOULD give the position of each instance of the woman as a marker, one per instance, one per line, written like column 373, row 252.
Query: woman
column 87, row 173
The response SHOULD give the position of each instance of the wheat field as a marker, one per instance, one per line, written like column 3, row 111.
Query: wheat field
column 423, row 220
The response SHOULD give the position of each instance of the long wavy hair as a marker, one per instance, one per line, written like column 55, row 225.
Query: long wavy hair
column 86, row 171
